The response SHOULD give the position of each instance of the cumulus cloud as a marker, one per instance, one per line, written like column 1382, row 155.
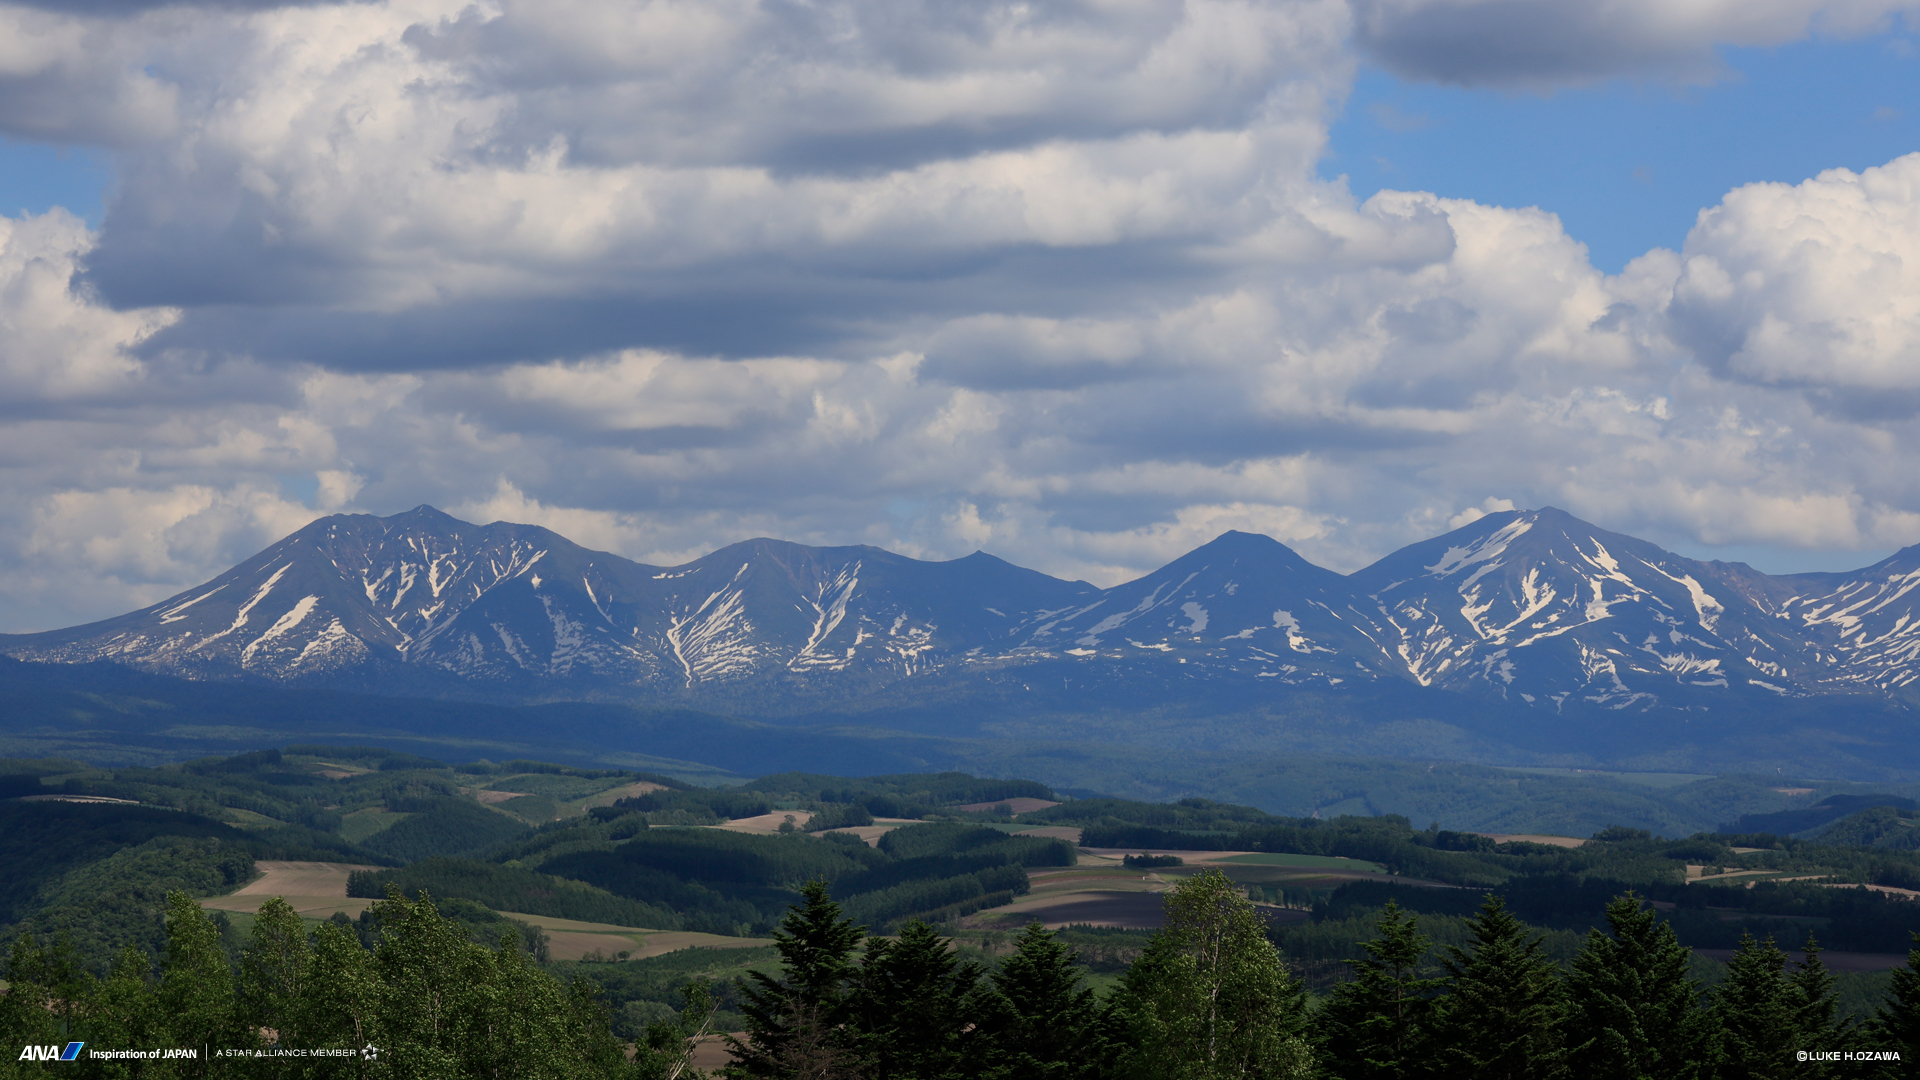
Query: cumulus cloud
column 1058, row 282
column 1813, row 284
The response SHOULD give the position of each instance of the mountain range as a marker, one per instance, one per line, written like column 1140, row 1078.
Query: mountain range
column 1527, row 613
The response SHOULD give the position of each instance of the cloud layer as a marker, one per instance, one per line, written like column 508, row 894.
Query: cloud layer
column 1055, row 281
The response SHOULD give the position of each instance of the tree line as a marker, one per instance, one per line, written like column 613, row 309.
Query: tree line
column 1208, row 998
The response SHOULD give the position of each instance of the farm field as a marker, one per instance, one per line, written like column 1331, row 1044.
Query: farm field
column 314, row 889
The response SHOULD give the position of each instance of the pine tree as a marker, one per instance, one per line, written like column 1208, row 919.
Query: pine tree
column 796, row 1023
column 1634, row 1011
column 1373, row 1026
column 1817, row 1006
column 1503, row 1015
column 911, row 1007
column 1037, row 1021
column 1759, row 1014
column 1896, row 1026
column 1210, row 997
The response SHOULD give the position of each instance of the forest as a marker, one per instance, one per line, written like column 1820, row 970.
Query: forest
column 869, row 943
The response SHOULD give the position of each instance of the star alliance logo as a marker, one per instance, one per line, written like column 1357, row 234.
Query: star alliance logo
column 369, row 1052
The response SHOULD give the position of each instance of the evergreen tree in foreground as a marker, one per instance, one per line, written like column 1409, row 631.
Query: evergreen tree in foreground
column 1759, row 1016
column 1503, row 1016
column 1210, row 997
column 796, row 1024
column 1897, row 1024
column 1816, row 1004
column 913, row 1007
column 1037, row 1022
column 1635, row 1014
column 1374, row 1026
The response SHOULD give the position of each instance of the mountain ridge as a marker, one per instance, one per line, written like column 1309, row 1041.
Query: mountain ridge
column 1534, row 611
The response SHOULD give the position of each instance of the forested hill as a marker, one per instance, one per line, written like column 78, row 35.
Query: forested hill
column 496, row 845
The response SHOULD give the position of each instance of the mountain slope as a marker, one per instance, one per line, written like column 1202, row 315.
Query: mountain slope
column 1517, row 614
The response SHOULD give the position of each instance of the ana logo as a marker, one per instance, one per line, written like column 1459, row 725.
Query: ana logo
column 52, row 1052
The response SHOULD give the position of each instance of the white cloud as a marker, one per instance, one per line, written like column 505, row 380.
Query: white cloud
column 1057, row 282
column 1814, row 284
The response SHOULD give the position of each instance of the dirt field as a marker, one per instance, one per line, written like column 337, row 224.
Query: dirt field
column 880, row 827
column 1021, row 805
column 768, row 823
column 1535, row 838
column 491, row 797
column 712, row 1052
column 570, row 939
column 613, row 795
column 314, row 889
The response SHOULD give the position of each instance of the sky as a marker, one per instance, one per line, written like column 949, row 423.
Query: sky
column 1082, row 284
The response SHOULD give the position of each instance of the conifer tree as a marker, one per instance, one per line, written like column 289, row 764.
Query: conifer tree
column 1635, row 1013
column 1504, row 1013
column 1759, row 1014
column 1037, row 1020
column 1896, row 1026
column 1816, row 1000
column 911, row 1007
column 1210, row 997
column 795, row 1024
column 1374, row 1026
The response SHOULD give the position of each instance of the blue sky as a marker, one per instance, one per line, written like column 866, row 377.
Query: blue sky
column 1629, row 163
column 35, row 178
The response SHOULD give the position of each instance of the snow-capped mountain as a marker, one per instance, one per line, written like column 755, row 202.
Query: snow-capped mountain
column 357, row 599
column 1536, row 609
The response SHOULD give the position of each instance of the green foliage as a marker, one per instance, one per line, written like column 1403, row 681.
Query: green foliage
column 1376, row 1026
column 1897, row 1023
column 1880, row 826
column 506, row 888
column 1505, row 1007
column 1036, row 1020
column 1757, row 1012
column 913, row 1006
column 923, row 792
column 1210, row 998
column 447, row 826
column 41, row 842
column 839, row 816
column 103, row 907
column 797, row 1023
column 1634, row 1010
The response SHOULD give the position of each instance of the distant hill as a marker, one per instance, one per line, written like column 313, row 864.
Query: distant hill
column 1829, row 810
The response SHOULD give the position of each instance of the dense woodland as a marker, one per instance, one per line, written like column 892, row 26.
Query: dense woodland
column 1468, row 958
